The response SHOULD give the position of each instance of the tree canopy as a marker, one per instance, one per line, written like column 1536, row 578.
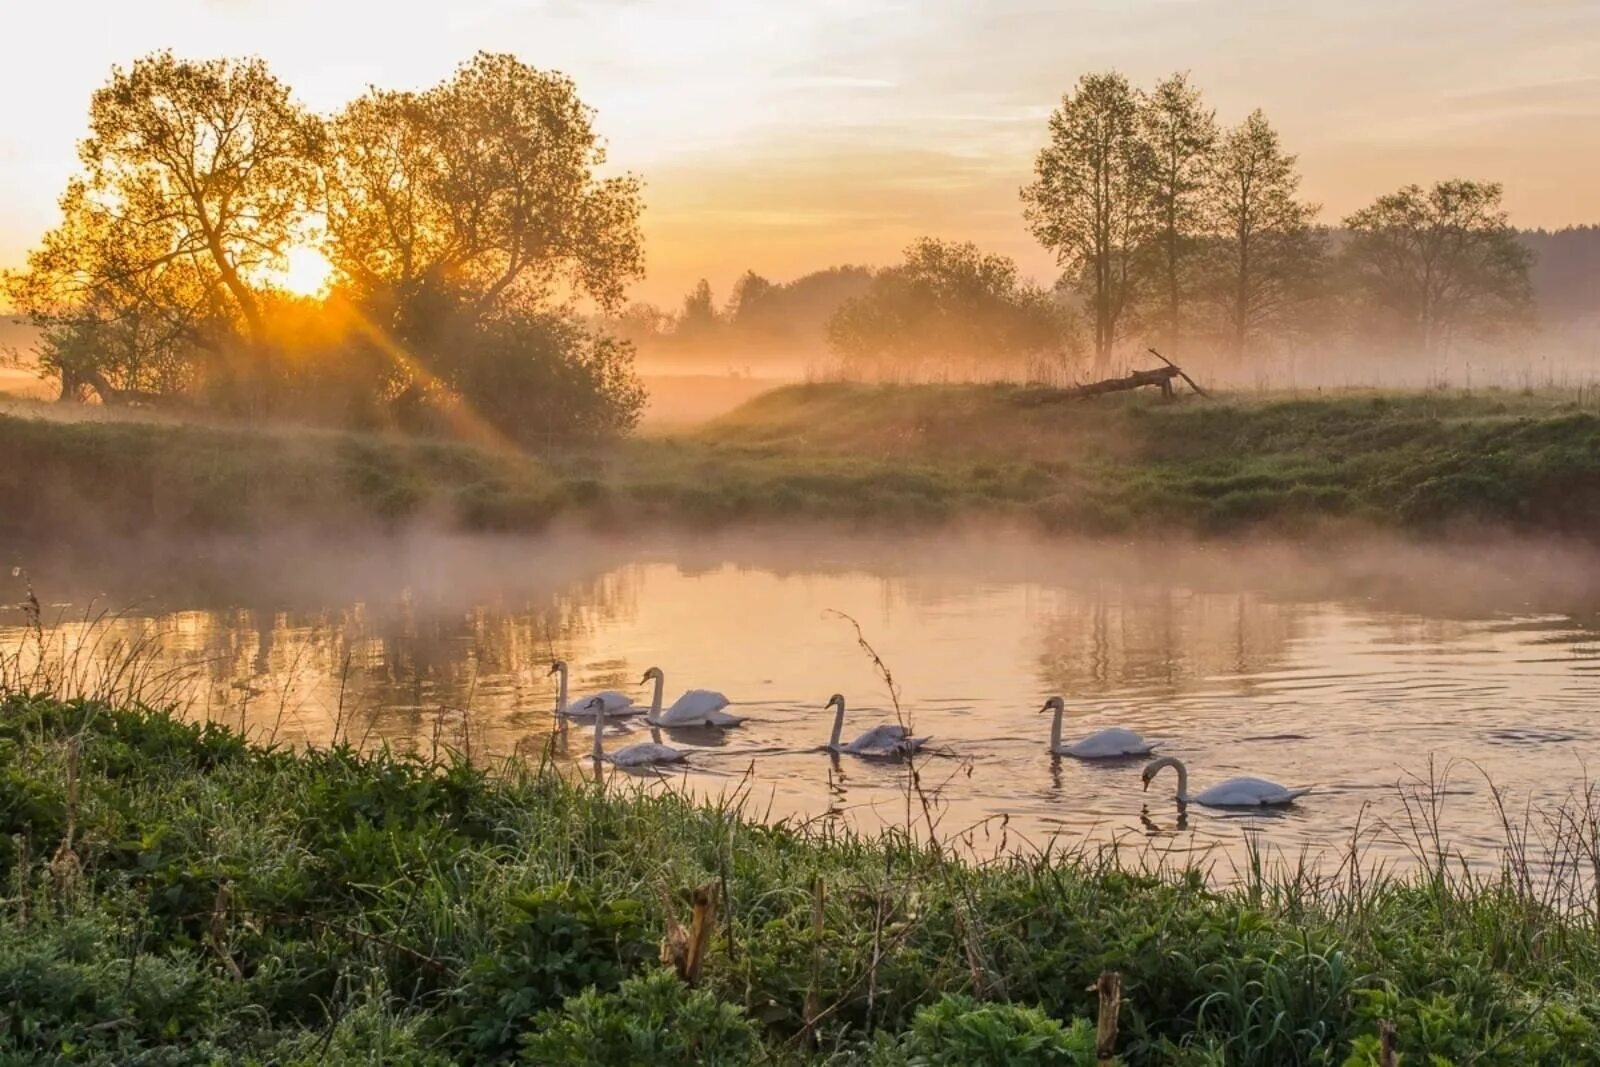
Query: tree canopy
column 453, row 218
column 950, row 305
column 1439, row 264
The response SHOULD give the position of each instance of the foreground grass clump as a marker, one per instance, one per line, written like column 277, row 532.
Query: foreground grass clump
column 866, row 453
column 176, row 895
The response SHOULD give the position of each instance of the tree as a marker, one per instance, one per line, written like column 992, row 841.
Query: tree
column 1182, row 135
column 749, row 293
column 1438, row 263
column 465, row 222
column 1090, row 201
column 698, row 319
column 1266, row 251
column 476, row 195
column 948, row 305
column 197, row 180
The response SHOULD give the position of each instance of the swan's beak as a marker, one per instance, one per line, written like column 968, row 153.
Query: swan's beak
column 553, row 669
column 1044, row 709
column 1147, row 785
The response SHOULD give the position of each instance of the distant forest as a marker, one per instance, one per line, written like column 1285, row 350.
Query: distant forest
column 767, row 327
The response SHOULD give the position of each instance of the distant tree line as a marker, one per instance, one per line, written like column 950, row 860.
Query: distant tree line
column 462, row 224
column 1169, row 228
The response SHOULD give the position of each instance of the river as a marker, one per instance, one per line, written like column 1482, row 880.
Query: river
column 1378, row 673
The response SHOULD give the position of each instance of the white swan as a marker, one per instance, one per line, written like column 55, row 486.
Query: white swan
column 1234, row 793
column 614, row 704
column 885, row 739
column 1102, row 744
column 643, row 754
column 697, row 707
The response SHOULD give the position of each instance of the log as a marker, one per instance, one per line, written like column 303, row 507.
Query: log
column 1161, row 378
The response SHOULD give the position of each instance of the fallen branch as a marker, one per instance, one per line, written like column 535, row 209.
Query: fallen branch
column 1192, row 383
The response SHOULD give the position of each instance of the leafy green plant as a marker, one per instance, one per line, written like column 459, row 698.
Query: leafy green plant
column 957, row 1030
column 653, row 1020
column 560, row 941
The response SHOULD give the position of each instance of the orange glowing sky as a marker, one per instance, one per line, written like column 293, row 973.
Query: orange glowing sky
column 787, row 135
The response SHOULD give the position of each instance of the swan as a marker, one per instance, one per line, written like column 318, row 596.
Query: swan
column 697, row 707
column 1234, row 793
column 614, row 704
column 643, row 754
column 1102, row 744
column 885, row 739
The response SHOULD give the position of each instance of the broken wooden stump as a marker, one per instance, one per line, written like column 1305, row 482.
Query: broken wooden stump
column 1109, row 988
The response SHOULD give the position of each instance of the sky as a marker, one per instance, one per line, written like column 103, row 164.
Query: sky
column 788, row 135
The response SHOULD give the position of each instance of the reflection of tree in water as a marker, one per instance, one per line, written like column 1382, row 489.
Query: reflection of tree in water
column 1116, row 637
column 384, row 668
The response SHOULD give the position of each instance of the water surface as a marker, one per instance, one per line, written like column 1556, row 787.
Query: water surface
column 1355, row 670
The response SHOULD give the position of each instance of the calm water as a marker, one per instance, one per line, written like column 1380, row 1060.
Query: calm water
column 1346, row 670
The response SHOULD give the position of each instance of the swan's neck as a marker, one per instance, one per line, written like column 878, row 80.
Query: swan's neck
column 1183, row 778
column 1055, row 730
column 599, row 725
column 561, row 690
column 655, row 701
column 838, row 726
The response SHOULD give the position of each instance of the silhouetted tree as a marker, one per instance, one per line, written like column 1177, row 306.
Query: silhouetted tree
column 950, row 304
column 197, row 180
column 1090, row 201
column 744, row 303
column 1434, row 264
column 698, row 319
column 1266, row 253
column 478, row 194
column 1182, row 135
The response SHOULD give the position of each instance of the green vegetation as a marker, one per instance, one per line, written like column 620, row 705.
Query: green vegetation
column 176, row 895
column 873, row 454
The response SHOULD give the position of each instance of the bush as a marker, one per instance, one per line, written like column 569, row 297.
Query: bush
column 652, row 1021
column 560, row 941
column 957, row 1030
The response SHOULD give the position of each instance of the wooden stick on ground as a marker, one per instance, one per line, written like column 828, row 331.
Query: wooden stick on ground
column 813, row 1004
column 1105, row 1038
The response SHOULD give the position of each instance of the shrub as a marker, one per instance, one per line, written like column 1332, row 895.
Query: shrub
column 957, row 1030
column 654, row 1020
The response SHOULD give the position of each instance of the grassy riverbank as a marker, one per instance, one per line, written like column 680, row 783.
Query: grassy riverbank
column 175, row 895
column 872, row 454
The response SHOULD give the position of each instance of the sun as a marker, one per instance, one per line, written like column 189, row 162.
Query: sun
column 306, row 271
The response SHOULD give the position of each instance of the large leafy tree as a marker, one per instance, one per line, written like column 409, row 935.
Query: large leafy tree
column 478, row 195
column 196, row 181
column 950, row 305
column 1434, row 265
column 1090, row 201
column 1182, row 136
column 1266, row 252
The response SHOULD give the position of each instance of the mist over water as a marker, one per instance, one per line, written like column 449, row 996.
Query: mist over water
column 1347, row 668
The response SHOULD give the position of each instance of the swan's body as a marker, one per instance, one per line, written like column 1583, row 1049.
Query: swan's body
column 613, row 704
column 1110, row 743
column 643, row 754
column 885, row 739
column 697, row 707
column 1234, row 793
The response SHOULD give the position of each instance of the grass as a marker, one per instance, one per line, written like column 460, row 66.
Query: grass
column 173, row 894
column 883, row 455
